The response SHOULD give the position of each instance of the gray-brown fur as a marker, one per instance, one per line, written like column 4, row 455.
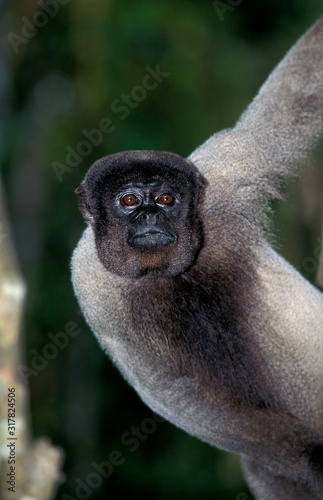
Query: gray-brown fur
column 231, row 347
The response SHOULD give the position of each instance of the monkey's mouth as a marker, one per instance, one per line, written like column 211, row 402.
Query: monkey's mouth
column 151, row 238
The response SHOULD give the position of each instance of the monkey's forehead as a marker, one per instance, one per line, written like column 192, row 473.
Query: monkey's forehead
column 141, row 166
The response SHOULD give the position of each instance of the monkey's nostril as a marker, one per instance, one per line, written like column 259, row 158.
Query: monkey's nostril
column 149, row 217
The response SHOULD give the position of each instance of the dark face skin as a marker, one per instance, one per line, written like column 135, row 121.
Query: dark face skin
column 143, row 208
column 150, row 211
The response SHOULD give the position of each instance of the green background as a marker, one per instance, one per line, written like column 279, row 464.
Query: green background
column 64, row 78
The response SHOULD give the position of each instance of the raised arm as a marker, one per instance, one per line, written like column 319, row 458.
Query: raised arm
column 276, row 133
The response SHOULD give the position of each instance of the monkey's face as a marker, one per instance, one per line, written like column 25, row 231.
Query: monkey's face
column 143, row 207
column 150, row 211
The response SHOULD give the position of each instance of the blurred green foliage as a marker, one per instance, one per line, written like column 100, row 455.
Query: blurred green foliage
column 63, row 76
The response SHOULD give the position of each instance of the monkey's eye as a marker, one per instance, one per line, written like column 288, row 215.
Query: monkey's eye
column 165, row 199
column 130, row 200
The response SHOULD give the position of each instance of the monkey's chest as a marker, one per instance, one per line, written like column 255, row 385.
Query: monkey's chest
column 189, row 335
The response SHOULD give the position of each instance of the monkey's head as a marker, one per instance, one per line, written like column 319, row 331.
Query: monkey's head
column 143, row 207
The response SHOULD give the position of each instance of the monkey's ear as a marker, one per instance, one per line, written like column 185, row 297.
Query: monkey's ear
column 202, row 183
column 83, row 204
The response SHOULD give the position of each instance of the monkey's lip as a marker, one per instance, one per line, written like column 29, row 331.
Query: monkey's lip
column 148, row 237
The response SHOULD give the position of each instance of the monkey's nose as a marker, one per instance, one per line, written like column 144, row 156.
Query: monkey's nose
column 150, row 217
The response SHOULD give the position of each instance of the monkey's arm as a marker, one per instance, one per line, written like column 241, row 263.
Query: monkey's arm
column 278, row 130
column 268, row 486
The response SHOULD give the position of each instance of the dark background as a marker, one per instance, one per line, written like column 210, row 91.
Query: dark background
column 61, row 78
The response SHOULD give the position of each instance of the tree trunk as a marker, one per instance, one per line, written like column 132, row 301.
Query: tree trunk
column 31, row 469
